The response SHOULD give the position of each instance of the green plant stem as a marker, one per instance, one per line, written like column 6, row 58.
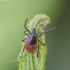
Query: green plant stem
column 31, row 61
column 28, row 66
column 36, row 60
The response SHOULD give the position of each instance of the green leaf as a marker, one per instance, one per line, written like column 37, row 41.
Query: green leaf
column 36, row 60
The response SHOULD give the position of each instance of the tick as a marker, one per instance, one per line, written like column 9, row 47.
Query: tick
column 32, row 41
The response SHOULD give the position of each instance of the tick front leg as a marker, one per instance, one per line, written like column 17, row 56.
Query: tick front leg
column 26, row 27
column 25, row 33
column 24, row 39
column 41, row 42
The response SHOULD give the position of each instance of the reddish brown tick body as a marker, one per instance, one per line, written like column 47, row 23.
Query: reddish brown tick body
column 31, row 48
column 31, row 42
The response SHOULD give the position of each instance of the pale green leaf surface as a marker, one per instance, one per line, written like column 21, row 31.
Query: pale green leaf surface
column 36, row 60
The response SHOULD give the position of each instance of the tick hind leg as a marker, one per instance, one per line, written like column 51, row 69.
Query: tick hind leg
column 41, row 42
column 21, row 53
column 26, row 27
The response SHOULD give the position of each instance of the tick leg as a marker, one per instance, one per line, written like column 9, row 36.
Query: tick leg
column 21, row 53
column 38, row 51
column 25, row 26
column 41, row 42
column 24, row 39
column 40, row 33
column 25, row 33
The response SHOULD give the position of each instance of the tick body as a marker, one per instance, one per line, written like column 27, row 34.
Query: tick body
column 31, row 48
column 32, row 41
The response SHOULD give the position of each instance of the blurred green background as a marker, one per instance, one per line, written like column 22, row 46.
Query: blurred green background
column 12, row 16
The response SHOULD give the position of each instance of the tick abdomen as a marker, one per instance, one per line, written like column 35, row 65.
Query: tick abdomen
column 31, row 48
